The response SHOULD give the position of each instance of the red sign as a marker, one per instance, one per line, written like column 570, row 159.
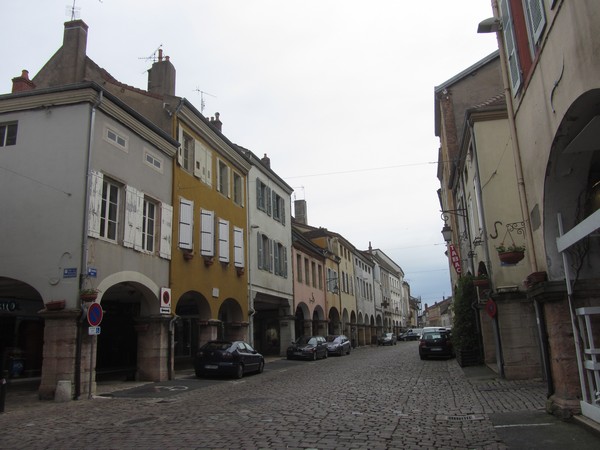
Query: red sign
column 455, row 258
column 94, row 314
column 491, row 308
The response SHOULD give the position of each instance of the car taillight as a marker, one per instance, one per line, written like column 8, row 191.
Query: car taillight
column 421, row 343
column 226, row 355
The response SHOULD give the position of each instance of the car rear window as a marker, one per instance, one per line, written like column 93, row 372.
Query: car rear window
column 217, row 345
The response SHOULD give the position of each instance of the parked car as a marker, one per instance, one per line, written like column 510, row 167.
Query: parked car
column 436, row 344
column 410, row 335
column 387, row 339
column 235, row 358
column 338, row 345
column 308, row 347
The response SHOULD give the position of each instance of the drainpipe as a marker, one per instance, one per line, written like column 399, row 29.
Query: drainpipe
column 85, row 250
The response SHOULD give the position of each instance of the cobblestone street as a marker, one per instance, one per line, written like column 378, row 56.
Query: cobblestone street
column 375, row 398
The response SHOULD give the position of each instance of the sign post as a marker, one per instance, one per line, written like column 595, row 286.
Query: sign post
column 94, row 317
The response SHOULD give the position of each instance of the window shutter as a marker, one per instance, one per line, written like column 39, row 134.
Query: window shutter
column 198, row 160
column 223, row 240
column 218, row 175
column 285, row 262
column 166, row 230
column 282, row 211
column 207, row 238
column 238, row 247
column 208, row 179
column 186, row 223
column 270, row 264
column 96, row 179
column 259, row 199
column 276, row 264
column 134, row 207
column 268, row 202
column 514, row 68
column 536, row 17
column 180, row 149
column 259, row 250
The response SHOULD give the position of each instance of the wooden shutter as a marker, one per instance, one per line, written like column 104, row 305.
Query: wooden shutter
column 276, row 262
column 134, row 216
column 270, row 263
column 180, row 149
column 536, row 17
column 186, row 223
column 268, row 200
column 259, row 250
column 96, row 180
column 285, row 262
column 207, row 224
column 238, row 247
column 223, row 240
column 510, row 45
column 198, row 160
column 166, row 230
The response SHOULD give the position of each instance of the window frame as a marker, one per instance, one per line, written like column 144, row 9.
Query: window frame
column 5, row 128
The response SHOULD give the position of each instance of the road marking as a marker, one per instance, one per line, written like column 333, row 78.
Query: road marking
column 517, row 425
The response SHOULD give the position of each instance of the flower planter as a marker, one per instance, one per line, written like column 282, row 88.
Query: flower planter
column 91, row 297
column 208, row 260
column 55, row 305
column 535, row 278
column 511, row 257
column 188, row 255
column 482, row 283
column 240, row 271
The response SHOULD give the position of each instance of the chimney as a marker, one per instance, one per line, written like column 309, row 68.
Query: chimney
column 300, row 212
column 74, row 51
column 266, row 161
column 216, row 122
column 22, row 83
column 161, row 76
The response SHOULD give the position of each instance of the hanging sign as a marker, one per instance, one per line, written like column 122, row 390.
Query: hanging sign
column 455, row 258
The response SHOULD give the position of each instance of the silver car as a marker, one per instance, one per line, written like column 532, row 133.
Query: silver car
column 338, row 344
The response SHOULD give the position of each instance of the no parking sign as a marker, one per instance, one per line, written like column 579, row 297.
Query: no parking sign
column 165, row 300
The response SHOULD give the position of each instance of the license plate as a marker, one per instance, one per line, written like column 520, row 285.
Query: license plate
column 436, row 349
column 298, row 353
column 211, row 366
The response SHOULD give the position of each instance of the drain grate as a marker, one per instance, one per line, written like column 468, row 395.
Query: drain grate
column 460, row 418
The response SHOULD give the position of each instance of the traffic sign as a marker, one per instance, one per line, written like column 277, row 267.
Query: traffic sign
column 93, row 331
column 165, row 300
column 94, row 314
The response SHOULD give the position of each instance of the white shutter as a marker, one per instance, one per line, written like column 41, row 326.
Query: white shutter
column 285, row 263
column 207, row 238
column 536, row 17
column 198, row 160
column 510, row 45
column 208, row 179
column 134, row 210
column 180, row 149
column 223, row 240
column 166, row 230
column 238, row 247
column 276, row 262
column 259, row 250
column 186, row 223
column 270, row 255
column 96, row 179
column 268, row 201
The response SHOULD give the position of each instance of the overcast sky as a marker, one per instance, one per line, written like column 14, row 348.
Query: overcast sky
column 338, row 93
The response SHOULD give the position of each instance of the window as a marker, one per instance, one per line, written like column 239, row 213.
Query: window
column 116, row 139
column 320, row 276
column 207, row 233
column 187, row 152
column 153, row 161
column 306, row 272
column 265, row 249
column 109, row 212
column 223, row 241
column 313, row 267
column 238, row 247
column 186, row 223
column 8, row 134
column 203, row 162
column 238, row 189
column 148, row 227
column 263, row 197
column 278, row 208
column 223, row 178
column 280, row 263
column 299, row 267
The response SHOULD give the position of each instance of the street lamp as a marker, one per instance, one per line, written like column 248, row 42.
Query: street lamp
column 447, row 230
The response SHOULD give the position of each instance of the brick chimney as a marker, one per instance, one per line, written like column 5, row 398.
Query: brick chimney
column 300, row 213
column 22, row 83
column 161, row 76
column 216, row 122
column 74, row 51
column 266, row 161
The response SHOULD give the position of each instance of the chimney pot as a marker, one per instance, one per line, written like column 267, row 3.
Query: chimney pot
column 22, row 83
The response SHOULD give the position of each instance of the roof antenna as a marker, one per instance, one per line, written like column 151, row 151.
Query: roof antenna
column 73, row 11
column 152, row 56
column 202, row 103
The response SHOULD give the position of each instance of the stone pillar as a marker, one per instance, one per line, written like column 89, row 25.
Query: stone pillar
column 208, row 330
column 60, row 350
column 308, row 328
column 153, row 348
column 286, row 333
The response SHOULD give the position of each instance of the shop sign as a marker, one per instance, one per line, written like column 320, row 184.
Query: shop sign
column 455, row 258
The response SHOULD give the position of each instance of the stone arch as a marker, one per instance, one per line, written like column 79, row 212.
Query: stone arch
column 231, row 319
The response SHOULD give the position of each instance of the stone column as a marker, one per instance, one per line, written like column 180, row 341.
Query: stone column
column 153, row 348
column 286, row 333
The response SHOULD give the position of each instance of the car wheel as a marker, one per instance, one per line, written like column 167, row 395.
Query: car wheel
column 239, row 372
column 341, row 351
column 261, row 367
column 198, row 374
column 422, row 356
column 349, row 350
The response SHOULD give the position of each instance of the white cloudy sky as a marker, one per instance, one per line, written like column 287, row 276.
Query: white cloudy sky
column 338, row 93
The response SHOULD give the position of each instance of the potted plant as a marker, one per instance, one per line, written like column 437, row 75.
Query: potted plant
column 55, row 305
column 481, row 281
column 465, row 337
column 88, row 295
column 511, row 254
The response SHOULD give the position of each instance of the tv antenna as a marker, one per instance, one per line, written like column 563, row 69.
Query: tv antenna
column 73, row 11
column 152, row 56
column 202, row 103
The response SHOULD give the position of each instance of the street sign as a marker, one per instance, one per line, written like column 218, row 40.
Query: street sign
column 93, row 331
column 70, row 272
column 165, row 300
column 94, row 314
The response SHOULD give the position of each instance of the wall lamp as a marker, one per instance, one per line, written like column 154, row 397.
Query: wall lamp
column 490, row 25
column 447, row 230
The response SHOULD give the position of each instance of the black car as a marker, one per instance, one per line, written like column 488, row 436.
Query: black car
column 338, row 344
column 308, row 347
column 234, row 358
column 410, row 335
column 387, row 339
column 436, row 344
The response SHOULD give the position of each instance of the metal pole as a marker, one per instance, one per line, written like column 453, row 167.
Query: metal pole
column 92, row 342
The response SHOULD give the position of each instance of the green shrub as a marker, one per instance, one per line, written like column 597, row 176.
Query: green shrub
column 464, row 328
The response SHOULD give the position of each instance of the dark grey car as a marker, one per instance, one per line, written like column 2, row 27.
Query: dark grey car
column 338, row 344
column 308, row 347
column 234, row 358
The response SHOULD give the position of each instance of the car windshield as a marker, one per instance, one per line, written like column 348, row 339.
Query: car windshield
column 334, row 338
column 217, row 345
column 303, row 340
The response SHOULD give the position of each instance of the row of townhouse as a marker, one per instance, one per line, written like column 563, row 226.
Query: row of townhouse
column 181, row 235
column 518, row 168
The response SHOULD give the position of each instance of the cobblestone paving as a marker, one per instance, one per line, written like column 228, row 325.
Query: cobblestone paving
column 376, row 398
